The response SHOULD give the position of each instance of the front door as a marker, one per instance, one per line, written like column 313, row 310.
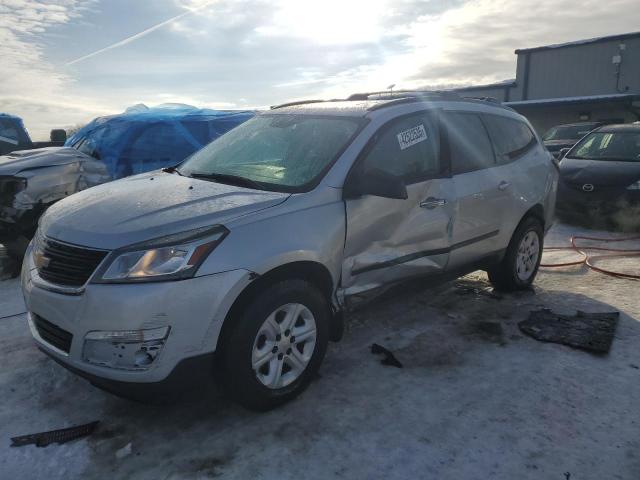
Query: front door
column 390, row 239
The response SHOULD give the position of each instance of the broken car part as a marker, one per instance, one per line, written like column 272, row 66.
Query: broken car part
column 588, row 331
column 62, row 435
column 389, row 358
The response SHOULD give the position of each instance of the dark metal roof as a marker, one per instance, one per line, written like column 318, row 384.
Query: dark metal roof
column 617, row 97
column 610, row 38
column 506, row 83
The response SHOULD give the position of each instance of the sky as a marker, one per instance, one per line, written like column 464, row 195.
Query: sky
column 64, row 62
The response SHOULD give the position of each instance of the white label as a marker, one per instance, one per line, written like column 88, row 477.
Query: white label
column 412, row 136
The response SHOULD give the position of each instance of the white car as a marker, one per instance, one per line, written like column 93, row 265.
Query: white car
column 242, row 258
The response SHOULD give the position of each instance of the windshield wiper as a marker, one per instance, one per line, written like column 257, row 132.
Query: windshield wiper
column 173, row 169
column 229, row 179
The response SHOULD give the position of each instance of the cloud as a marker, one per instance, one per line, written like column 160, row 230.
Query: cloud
column 477, row 40
column 143, row 33
column 261, row 52
column 29, row 84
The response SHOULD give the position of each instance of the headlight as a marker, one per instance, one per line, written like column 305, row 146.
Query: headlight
column 12, row 185
column 173, row 257
column 634, row 186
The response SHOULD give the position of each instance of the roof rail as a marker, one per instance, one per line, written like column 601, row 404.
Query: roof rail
column 398, row 94
column 293, row 104
column 483, row 99
column 416, row 97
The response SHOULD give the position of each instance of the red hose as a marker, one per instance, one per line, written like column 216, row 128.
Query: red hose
column 588, row 259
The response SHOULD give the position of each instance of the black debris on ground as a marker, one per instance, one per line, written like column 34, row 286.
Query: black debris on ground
column 462, row 289
column 389, row 358
column 588, row 331
column 62, row 435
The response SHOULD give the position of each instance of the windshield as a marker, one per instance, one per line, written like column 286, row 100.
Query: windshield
column 609, row 146
column 568, row 132
column 279, row 152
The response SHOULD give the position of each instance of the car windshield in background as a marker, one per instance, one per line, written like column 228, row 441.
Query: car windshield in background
column 274, row 152
column 568, row 132
column 623, row 146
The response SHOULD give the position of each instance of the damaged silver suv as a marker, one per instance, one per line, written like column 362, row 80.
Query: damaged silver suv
column 240, row 260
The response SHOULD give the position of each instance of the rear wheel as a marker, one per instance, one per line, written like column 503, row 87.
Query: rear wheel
column 276, row 345
column 519, row 267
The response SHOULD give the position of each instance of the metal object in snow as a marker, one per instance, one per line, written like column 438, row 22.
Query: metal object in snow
column 62, row 435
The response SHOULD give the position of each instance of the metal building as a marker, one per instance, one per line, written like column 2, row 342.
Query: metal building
column 593, row 79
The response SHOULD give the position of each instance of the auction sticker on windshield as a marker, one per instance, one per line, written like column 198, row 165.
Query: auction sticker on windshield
column 412, row 136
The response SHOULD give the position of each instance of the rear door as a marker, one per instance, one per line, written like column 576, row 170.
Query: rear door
column 390, row 239
column 523, row 169
column 479, row 187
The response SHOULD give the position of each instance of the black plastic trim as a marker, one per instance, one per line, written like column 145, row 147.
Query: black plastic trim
column 424, row 253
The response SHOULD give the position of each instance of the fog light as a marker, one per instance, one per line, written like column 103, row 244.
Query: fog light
column 142, row 358
column 124, row 349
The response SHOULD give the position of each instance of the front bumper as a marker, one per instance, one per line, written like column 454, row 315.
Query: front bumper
column 601, row 202
column 193, row 309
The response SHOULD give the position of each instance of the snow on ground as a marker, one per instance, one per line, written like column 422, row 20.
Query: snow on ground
column 472, row 402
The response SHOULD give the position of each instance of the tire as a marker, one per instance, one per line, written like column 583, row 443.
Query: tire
column 518, row 268
column 269, row 322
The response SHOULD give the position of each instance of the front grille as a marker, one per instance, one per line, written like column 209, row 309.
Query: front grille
column 63, row 264
column 52, row 334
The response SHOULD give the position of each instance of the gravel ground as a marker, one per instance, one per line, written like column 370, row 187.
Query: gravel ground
column 476, row 399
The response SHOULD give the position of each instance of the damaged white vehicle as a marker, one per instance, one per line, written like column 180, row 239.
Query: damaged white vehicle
column 241, row 260
column 32, row 180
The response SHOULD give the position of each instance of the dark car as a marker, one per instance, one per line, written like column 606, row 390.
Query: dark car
column 600, row 177
column 14, row 137
column 566, row 136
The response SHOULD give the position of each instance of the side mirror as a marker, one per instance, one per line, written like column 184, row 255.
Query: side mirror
column 377, row 183
column 563, row 152
column 58, row 135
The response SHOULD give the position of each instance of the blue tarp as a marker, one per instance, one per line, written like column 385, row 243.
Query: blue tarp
column 13, row 135
column 143, row 139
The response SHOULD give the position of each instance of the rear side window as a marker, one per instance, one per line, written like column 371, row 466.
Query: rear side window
column 408, row 147
column 469, row 144
column 511, row 138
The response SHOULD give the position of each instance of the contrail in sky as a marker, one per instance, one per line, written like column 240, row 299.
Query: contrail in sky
column 137, row 35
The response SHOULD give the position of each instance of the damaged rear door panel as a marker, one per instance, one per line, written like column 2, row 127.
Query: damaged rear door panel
column 391, row 239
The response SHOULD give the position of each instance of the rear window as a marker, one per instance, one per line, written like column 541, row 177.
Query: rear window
column 511, row 138
column 568, row 132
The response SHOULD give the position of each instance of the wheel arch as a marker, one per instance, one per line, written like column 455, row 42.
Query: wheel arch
column 311, row 271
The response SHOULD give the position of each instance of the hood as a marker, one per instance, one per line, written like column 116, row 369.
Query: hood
column 599, row 172
column 554, row 145
column 148, row 206
column 21, row 160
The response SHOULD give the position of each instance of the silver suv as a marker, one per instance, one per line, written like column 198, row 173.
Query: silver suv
column 240, row 260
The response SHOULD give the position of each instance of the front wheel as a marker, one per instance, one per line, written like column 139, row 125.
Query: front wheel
column 519, row 267
column 276, row 345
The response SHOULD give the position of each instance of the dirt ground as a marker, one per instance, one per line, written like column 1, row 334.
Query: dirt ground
column 476, row 399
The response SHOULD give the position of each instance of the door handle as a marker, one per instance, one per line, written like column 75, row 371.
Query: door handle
column 431, row 203
column 504, row 185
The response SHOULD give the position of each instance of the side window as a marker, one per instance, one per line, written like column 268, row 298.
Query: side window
column 510, row 137
column 469, row 144
column 408, row 148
